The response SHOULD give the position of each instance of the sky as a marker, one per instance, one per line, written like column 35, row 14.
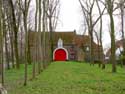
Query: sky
column 69, row 19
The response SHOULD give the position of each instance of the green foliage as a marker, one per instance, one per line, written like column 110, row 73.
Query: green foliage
column 68, row 78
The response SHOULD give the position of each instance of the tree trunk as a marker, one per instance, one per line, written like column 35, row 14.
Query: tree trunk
column 29, row 52
column 21, row 47
column 40, row 40
column 34, row 65
column 51, row 37
column 11, row 44
column 1, row 45
column 122, row 28
column 15, row 34
column 26, row 49
column 6, row 51
column 113, row 61
column 25, row 15
column 110, row 10
column 44, row 34
column 100, row 39
column 11, row 36
column 26, row 42
column 101, row 50
column 91, row 42
column 92, row 49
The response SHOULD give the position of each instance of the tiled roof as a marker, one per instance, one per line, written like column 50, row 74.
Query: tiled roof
column 81, row 40
column 67, row 37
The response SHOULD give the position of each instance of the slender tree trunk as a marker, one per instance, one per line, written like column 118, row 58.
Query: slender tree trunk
column 44, row 34
column 25, row 15
column 11, row 35
column 110, row 7
column 6, row 51
column 91, row 42
column 29, row 51
column 34, row 63
column 40, row 40
column 26, row 49
column 1, row 57
column 21, row 47
column 5, row 35
column 112, row 44
column 25, row 12
column 100, row 39
column 92, row 49
column 51, row 37
column 122, row 28
column 15, row 34
column 11, row 44
column 101, row 50
column 16, row 50
column 1, row 45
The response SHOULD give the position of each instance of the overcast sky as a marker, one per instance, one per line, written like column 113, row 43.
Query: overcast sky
column 69, row 16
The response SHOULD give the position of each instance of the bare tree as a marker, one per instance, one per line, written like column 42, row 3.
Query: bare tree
column 122, row 6
column 24, row 6
column 5, row 33
column 6, row 46
column 87, row 10
column 9, row 20
column 100, row 36
column 25, row 15
column 44, row 23
column 1, row 45
column 11, row 35
column 52, row 14
column 34, row 63
column 110, row 10
column 39, row 37
column 15, row 28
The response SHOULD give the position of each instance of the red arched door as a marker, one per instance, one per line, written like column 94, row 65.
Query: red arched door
column 60, row 55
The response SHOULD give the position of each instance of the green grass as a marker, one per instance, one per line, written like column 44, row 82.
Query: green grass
column 68, row 78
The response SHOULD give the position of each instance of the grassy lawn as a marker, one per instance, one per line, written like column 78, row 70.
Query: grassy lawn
column 68, row 78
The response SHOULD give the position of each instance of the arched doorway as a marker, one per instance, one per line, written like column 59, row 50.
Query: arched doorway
column 60, row 54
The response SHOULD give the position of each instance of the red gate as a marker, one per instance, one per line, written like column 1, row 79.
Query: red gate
column 60, row 55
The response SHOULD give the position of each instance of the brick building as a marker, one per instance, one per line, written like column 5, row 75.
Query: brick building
column 77, row 46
